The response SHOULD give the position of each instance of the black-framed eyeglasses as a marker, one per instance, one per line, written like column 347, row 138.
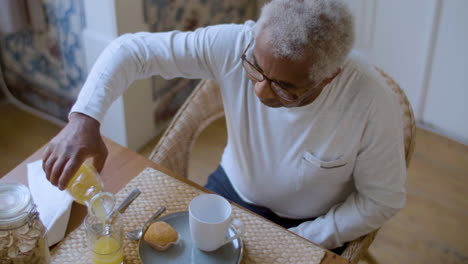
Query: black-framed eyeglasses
column 257, row 75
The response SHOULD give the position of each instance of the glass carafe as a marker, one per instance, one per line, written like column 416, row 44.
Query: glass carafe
column 85, row 184
column 86, row 188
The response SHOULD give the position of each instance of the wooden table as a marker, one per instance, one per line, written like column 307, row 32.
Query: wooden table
column 122, row 166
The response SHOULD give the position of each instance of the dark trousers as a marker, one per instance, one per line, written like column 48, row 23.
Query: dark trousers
column 219, row 183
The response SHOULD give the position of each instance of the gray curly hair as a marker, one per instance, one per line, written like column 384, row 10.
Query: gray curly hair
column 322, row 30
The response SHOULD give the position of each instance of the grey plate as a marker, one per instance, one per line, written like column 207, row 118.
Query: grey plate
column 185, row 251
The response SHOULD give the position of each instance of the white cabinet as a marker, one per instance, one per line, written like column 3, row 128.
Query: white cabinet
column 422, row 45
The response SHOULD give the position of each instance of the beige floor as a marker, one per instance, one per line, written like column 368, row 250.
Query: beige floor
column 428, row 230
column 20, row 135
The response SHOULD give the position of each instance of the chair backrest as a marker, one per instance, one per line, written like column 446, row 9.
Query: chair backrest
column 200, row 109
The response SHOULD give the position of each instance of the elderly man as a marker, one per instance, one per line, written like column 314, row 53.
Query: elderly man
column 315, row 140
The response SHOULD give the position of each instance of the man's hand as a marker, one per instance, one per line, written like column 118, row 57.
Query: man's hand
column 79, row 139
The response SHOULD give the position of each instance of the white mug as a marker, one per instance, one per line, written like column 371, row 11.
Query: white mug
column 210, row 218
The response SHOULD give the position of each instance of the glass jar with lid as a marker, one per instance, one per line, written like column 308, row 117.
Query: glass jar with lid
column 22, row 234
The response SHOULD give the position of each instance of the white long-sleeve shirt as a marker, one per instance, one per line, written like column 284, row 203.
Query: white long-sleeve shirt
column 339, row 159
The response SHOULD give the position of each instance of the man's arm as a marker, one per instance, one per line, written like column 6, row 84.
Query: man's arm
column 129, row 58
column 138, row 56
column 379, row 177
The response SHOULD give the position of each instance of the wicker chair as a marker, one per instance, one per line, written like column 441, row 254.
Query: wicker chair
column 205, row 106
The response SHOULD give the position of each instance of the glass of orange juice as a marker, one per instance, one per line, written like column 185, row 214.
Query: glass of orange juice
column 105, row 238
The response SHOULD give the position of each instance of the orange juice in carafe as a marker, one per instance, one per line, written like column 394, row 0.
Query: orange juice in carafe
column 86, row 188
column 85, row 184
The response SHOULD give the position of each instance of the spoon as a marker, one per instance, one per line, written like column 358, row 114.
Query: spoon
column 136, row 234
column 128, row 200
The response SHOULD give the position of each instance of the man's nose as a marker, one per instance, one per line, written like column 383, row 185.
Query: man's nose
column 263, row 90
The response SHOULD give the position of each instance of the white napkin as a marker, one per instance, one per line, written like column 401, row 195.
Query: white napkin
column 54, row 206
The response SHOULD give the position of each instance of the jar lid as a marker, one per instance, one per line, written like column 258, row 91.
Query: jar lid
column 16, row 202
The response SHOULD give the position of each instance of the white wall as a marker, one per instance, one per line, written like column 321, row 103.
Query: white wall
column 446, row 107
column 419, row 43
column 395, row 35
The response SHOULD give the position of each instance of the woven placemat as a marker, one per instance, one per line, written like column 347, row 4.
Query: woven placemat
column 264, row 242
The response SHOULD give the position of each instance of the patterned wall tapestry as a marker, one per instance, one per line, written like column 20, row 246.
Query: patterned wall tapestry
column 166, row 15
column 46, row 69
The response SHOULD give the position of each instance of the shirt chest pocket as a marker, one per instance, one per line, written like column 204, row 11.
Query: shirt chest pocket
column 316, row 171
